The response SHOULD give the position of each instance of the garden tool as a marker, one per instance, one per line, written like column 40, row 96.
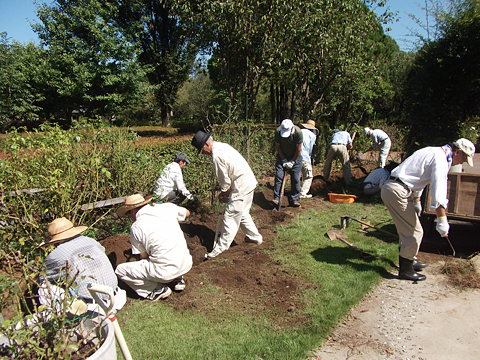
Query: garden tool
column 345, row 220
column 359, row 156
column 94, row 289
column 334, row 234
column 450, row 245
column 282, row 190
column 220, row 212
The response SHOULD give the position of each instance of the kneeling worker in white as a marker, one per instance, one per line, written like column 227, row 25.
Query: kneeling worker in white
column 157, row 238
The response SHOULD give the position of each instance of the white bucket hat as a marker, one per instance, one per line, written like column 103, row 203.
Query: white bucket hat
column 286, row 128
column 366, row 131
column 467, row 147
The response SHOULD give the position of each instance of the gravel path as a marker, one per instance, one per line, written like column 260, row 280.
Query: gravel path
column 400, row 319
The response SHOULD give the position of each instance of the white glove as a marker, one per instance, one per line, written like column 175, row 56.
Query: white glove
column 192, row 198
column 418, row 207
column 442, row 226
column 284, row 162
column 289, row 165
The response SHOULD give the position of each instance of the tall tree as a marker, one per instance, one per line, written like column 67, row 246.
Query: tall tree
column 443, row 87
column 19, row 66
column 91, row 61
column 166, row 50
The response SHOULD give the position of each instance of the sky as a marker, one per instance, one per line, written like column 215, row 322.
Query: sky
column 16, row 15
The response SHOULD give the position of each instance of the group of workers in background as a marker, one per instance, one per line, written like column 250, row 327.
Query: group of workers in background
column 159, row 244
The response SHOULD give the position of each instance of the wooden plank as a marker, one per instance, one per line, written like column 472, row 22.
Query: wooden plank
column 24, row 191
column 103, row 203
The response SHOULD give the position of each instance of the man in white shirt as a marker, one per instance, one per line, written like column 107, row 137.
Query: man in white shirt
column 170, row 186
column 373, row 183
column 237, row 183
column 159, row 242
column 401, row 195
column 379, row 138
column 310, row 133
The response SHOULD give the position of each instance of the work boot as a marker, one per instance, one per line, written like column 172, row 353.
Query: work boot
column 406, row 271
column 418, row 266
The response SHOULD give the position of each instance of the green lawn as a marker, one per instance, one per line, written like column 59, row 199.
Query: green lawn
column 336, row 279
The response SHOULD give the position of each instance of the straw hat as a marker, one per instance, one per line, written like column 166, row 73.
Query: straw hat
column 133, row 202
column 62, row 229
column 310, row 124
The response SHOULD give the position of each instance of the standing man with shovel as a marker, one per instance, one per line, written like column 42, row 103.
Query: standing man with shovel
column 288, row 142
column 401, row 195
column 238, row 183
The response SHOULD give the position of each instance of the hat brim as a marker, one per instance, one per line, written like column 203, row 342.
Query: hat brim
column 285, row 133
column 470, row 160
column 122, row 210
column 311, row 127
column 65, row 235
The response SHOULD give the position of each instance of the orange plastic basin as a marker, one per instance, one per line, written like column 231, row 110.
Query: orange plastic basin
column 341, row 198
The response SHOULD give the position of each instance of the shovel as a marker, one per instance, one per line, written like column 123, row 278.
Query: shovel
column 345, row 219
column 359, row 156
column 218, row 223
column 334, row 234
column 282, row 190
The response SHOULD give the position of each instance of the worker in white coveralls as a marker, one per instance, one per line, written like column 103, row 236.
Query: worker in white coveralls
column 340, row 142
column 310, row 133
column 381, row 139
column 170, row 186
column 157, row 238
column 237, row 183
column 401, row 195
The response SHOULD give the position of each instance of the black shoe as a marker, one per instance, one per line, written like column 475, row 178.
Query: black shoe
column 295, row 204
column 406, row 271
column 418, row 266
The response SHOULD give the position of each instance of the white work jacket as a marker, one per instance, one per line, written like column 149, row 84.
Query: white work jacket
column 171, row 179
column 232, row 170
column 426, row 166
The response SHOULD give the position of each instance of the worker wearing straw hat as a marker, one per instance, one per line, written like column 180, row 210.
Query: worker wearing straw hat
column 159, row 242
column 310, row 133
column 82, row 257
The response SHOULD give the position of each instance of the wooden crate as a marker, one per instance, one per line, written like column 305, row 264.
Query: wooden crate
column 464, row 197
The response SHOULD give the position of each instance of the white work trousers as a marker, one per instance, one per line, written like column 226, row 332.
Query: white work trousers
column 307, row 177
column 384, row 150
column 399, row 202
column 237, row 215
column 138, row 275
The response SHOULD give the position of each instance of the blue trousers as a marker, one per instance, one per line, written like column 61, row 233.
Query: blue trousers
column 294, row 178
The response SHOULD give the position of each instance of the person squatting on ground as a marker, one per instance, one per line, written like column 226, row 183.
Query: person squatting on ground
column 157, row 238
column 170, row 186
column 288, row 143
column 373, row 183
column 86, row 260
column 237, row 183
column 401, row 195
column 310, row 133
column 340, row 142
column 379, row 138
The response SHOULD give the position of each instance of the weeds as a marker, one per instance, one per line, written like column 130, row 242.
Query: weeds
column 461, row 274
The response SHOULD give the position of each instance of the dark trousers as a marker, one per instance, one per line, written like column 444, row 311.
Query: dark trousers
column 175, row 197
column 294, row 178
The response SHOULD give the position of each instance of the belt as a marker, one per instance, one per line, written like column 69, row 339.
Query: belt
column 399, row 181
column 337, row 144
